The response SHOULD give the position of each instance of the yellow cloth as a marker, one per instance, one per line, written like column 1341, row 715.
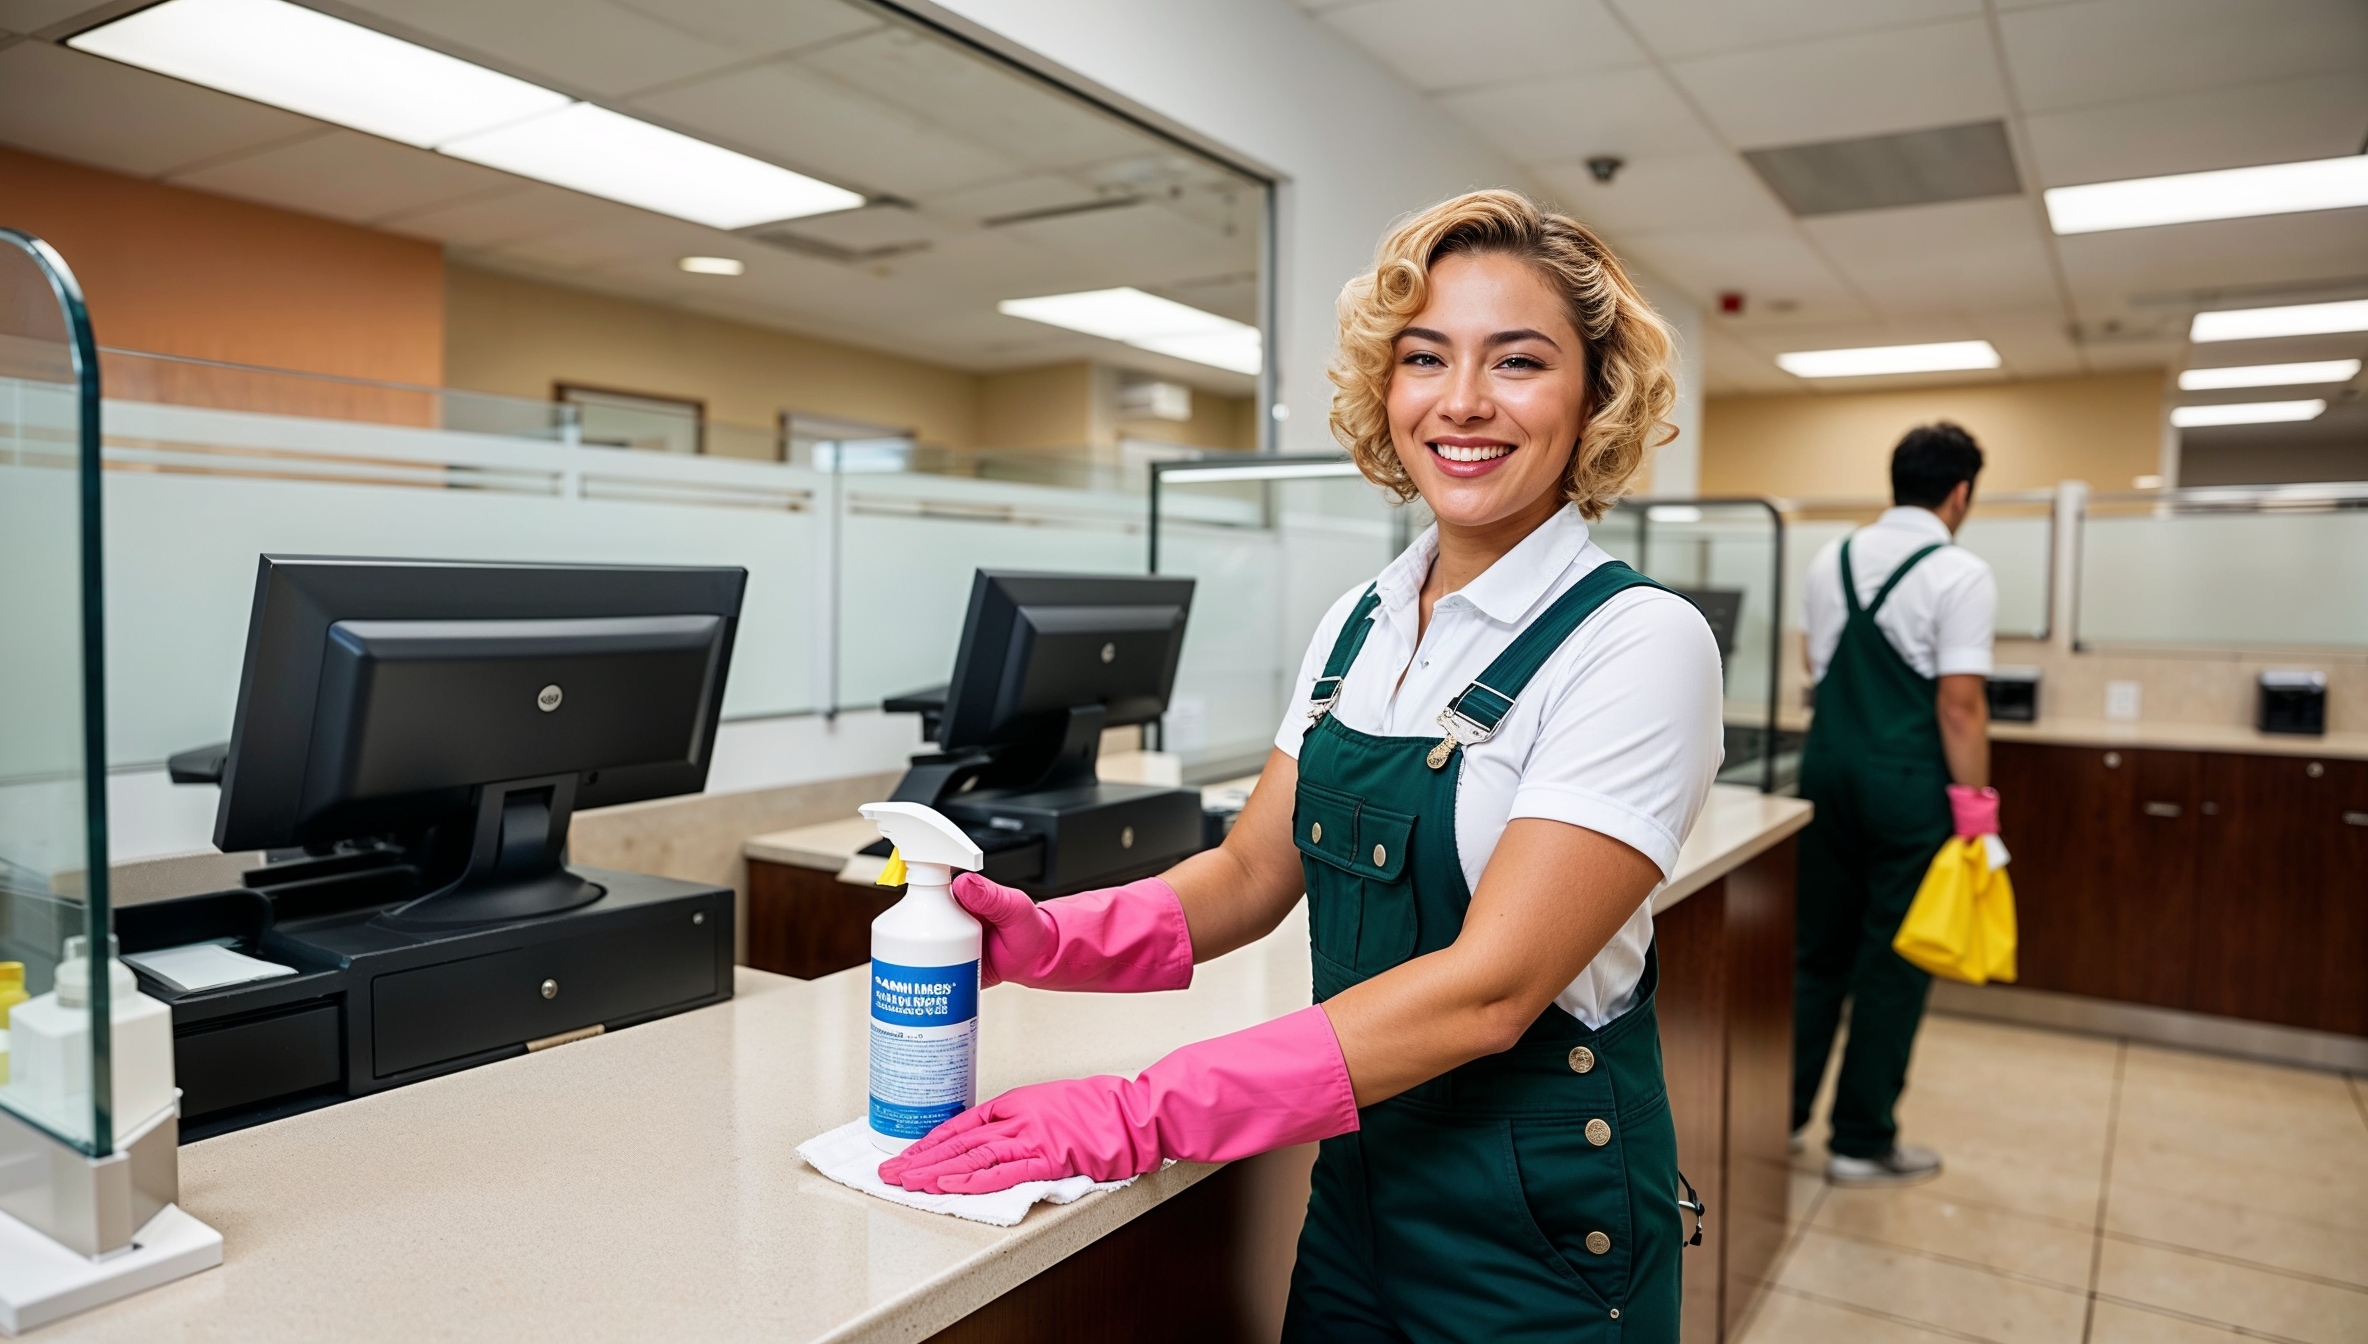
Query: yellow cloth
column 893, row 874
column 1961, row 924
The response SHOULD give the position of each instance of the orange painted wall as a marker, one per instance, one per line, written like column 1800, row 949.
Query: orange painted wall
column 184, row 273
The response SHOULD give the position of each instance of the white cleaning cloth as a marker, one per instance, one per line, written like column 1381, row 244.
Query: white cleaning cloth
column 847, row 1156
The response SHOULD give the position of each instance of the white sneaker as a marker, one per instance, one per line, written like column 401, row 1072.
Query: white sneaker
column 1903, row 1165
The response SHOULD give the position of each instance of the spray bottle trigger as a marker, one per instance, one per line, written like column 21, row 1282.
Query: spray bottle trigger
column 893, row 874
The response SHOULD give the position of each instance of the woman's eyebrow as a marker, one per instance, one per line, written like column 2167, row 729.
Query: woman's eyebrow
column 1501, row 338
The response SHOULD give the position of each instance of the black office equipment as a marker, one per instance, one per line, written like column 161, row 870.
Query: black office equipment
column 411, row 741
column 2293, row 701
column 1723, row 608
column 2013, row 693
column 1046, row 663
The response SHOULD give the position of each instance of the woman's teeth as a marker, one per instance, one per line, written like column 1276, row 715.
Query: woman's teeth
column 1460, row 453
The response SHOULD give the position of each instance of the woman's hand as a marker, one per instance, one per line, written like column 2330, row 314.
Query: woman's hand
column 1118, row 939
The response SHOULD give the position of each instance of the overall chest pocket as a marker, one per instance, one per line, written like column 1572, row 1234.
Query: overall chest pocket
column 1360, row 889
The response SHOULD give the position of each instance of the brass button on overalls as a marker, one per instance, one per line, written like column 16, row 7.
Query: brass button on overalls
column 1582, row 1059
column 1598, row 1133
column 1598, row 1243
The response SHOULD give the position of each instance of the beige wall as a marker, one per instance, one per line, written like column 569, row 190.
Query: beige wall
column 1050, row 407
column 1217, row 422
column 519, row 338
column 2105, row 430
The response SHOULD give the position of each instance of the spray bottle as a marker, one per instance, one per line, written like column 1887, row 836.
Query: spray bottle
column 925, row 954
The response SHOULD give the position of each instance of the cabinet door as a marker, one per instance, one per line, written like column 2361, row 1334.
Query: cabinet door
column 2103, row 845
column 2282, row 894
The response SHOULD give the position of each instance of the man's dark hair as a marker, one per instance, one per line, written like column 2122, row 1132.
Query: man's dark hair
column 1929, row 462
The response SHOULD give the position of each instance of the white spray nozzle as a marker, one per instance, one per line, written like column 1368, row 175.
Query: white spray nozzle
column 923, row 835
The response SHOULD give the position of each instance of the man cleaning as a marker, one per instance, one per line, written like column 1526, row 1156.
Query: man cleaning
column 1898, row 759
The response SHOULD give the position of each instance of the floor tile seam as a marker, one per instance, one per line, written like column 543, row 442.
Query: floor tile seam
column 1877, row 1313
column 2359, row 1091
column 2096, row 1247
column 1960, row 1262
column 2239, row 1262
column 2173, row 1313
column 1928, row 1195
column 2189, row 1198
column 1792, row 1237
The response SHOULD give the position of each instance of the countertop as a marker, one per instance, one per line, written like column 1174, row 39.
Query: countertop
column 2349, row 744
column 1736, row 824
column 645, row 1185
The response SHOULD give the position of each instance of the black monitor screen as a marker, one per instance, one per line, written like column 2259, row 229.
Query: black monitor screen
column 1035, row 646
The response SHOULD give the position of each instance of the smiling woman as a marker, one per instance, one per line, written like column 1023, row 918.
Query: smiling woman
column 1576, row 285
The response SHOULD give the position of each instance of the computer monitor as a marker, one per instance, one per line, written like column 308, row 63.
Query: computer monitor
column 1046, row 662
column 467, row 710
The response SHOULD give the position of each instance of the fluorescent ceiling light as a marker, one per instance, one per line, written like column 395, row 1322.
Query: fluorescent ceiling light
column 2247, row 413
column 2228, row 193
column 713, row 265
column 308, row 62
column 2269, row 375
column 1673, row 513
column 1939, row 357
column 2302, row 319
column 1147, row 322
column 601, row 153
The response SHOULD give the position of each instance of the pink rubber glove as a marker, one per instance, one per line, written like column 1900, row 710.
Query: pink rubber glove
column 1976, row 810
column 1121, row 940
column 1279, row 1083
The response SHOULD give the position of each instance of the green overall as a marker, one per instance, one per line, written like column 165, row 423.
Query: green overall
column 1874, row 767
column 1528, row 1195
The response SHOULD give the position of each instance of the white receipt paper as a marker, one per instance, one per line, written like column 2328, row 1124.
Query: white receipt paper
column 847, row 1156
column 205, row 966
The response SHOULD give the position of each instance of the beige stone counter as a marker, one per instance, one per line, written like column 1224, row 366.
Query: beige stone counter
column 644, row 1185
column 2340, row 745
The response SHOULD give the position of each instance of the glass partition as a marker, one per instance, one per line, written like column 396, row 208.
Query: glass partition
column 2279, row 567
column 2014, row 530
column 53, row 818
column 1728, row 555
column 1272, row 541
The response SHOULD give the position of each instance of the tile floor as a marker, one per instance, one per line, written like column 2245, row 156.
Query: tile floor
column 2096, row 1192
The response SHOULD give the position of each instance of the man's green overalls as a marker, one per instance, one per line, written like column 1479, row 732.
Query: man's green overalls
column 1528, row 1195
column 1874, row 767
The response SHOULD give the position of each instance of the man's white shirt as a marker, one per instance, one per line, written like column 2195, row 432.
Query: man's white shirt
column 1941, row 617
column 1619, row 731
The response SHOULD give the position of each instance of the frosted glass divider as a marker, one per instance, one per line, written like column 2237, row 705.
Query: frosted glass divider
column 2279, row 567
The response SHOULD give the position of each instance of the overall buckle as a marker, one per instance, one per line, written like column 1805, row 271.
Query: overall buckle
column 1462, row 731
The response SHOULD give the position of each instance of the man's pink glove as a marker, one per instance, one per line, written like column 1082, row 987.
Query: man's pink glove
column 1976, row 810
column 1277, row 1084
column 1122, row 940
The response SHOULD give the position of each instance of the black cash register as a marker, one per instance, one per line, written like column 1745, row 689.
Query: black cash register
column 1046, row 663
column 411, row 740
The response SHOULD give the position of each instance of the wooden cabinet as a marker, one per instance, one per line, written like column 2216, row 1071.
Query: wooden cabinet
column 2208, row 881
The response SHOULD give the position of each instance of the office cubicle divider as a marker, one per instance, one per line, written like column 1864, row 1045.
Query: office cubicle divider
column 2245, row 568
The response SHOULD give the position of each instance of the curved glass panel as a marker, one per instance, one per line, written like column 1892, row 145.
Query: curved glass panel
column 53, row 824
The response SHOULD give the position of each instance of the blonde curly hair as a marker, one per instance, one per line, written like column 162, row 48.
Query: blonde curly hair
column 1629, row 350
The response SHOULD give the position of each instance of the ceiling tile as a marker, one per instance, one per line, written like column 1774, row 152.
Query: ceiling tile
column 2232, row 254
column 2033, row 342
column 1666, row 192
column 2107, row 51
column 1491, row 42
column 1766, row 265
column 1633, row 113
column 31, row 16
column 75, row 106
column 2281, row 121
column 793, row 117
column 347, row 175
column 753, row 26
column 1956, row 256
column 508, row 220
column 1680, row 28
column 1906, row 79
column 596, row 47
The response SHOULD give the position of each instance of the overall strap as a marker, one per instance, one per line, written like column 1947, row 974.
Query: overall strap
column 1344, row 652
column 1485, row 702
column 1896, row 576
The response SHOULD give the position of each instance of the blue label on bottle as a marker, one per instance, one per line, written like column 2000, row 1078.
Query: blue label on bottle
column 924, row 996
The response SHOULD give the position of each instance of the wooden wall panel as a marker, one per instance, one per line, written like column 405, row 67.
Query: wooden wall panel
column 1758, row 1179
column 1692, row 1005
column 2282, row 921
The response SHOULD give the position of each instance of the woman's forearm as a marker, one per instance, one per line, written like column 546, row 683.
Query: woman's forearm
column 1553, row 895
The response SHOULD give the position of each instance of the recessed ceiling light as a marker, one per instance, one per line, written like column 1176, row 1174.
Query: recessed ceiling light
column 1147, row 322
column 2269, row 375
column 307, row 62
column 712, row 265
column 2247, row 413
column 2301, row 319
column 2227, row 193
column 1941, row 356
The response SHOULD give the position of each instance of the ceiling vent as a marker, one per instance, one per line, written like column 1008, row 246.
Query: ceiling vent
column 823, row 249
column 1951, row 163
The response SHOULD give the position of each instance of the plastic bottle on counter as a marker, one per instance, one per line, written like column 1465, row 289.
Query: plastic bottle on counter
column 12, row 993
column 49, row 1045
column 925, row 956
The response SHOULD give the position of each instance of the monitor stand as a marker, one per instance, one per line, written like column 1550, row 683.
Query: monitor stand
column 514, row 869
